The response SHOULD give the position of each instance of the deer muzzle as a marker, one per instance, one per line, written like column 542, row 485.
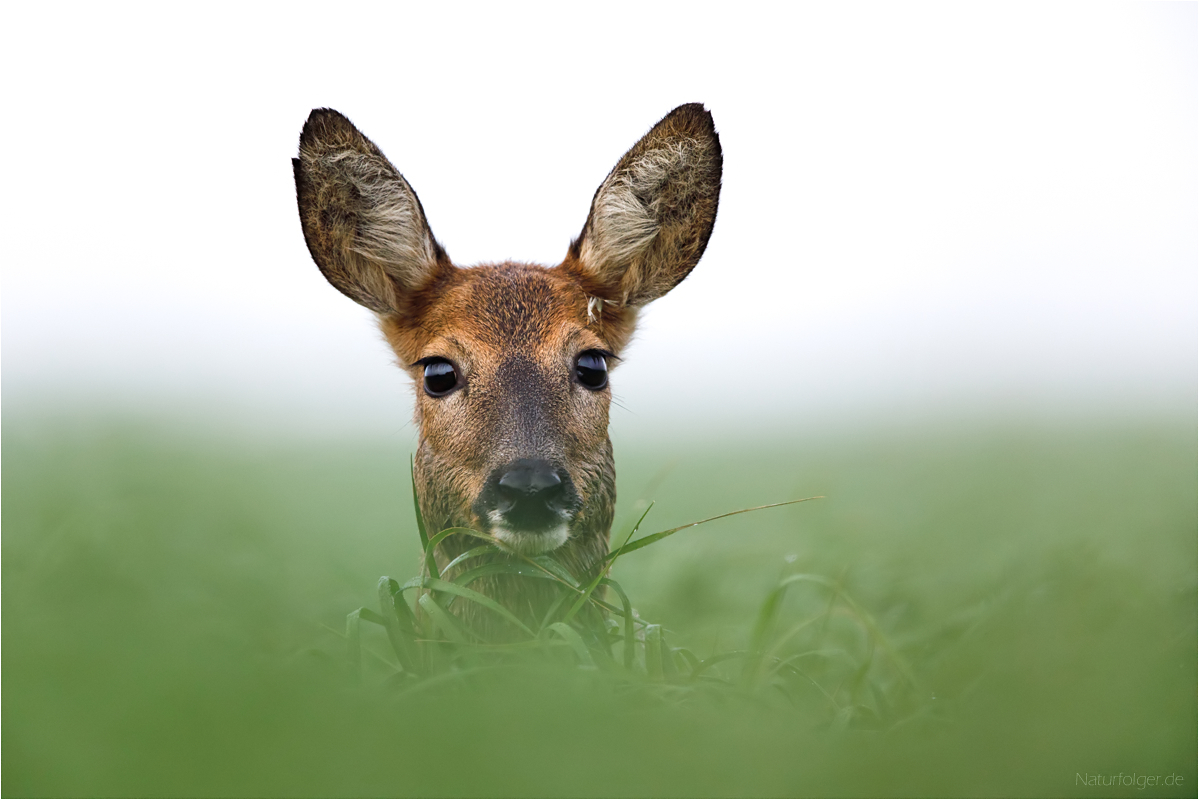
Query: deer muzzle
column 528, row 504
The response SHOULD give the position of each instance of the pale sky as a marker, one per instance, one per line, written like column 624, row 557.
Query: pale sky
column 926, row 209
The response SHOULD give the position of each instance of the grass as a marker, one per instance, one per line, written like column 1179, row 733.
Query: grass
column 588, row 618
column 974, row 613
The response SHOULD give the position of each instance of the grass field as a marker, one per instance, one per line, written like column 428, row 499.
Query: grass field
column 173, row 610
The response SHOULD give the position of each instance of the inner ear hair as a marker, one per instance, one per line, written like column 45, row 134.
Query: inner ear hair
column 651, row 218
column 363, row 223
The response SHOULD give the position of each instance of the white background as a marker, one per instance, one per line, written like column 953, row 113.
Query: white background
column 927, row 210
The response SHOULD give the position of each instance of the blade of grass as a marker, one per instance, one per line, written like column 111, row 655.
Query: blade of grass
column 712, row 661
column 354, row 644
column 553, row 609
column 792, row 632
column 441, row 536
column 652, row 485
column 583, row 598
column 630, row 631
column 790, row 665
column 599, row 575
column 631, row 534
column 373, row 617
column 653, row 652
column 470, row 594
column 396, row 635
column 432, row 543
column 420, row 520
column 444, row 622
column 598, row 642
column 551, row 566
column 576, row 641
column 474, row 552
column 645, row 541
column 692, row 660
column 403, row 612
column 864, row 617
column 502, row 568
column 764, row 623
column 669, row 668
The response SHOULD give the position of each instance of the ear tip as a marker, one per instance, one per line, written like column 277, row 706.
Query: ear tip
column 697, row 110
column 692, row 120
column 693, row 115
column 323, row 123
column 323, row 115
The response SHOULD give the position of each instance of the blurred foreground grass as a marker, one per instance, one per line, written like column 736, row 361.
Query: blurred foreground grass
column 172, row 611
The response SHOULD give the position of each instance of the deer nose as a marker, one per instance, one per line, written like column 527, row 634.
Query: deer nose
column 529, row 477
column 528, row 496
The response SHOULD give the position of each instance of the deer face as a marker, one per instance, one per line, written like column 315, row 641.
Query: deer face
column 510, row 361
column 512, row 403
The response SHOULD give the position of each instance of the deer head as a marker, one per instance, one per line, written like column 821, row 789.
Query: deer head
column 510, row 361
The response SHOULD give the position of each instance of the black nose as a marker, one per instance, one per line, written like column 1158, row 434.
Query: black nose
column 529, row 477
column 529, row 495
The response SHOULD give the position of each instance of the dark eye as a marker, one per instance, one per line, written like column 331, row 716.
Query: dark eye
column 592, row 370
column 440, row 377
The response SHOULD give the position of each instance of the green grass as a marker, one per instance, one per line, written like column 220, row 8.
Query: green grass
column 174, row 619
column 588, row 618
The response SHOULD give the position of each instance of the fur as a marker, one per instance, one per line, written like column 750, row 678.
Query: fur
column 511, row 330
column 363, row 223
column 652, row 216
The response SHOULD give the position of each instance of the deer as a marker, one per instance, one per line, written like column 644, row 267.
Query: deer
column 510, row 361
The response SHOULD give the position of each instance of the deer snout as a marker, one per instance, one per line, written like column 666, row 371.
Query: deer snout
column 528, row 504
column 527, row 478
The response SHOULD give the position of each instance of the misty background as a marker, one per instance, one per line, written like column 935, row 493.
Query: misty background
column 951, row 289
column 928, row 211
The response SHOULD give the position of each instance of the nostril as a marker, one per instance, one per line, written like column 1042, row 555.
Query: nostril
column 527, row 496
column 530, row 477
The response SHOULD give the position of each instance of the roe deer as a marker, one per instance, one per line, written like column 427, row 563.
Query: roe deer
column 511, row 360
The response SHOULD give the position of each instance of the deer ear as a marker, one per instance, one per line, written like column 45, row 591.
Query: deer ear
column 651, row 217
column 363, row 224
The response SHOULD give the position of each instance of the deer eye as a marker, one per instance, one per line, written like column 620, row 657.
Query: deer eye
column 591, row 370
column 440, row 377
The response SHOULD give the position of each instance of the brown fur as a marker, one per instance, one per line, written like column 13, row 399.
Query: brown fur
column 512, row 330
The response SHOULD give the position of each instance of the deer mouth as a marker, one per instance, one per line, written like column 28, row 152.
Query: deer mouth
column 528, row 505
column 531, row 543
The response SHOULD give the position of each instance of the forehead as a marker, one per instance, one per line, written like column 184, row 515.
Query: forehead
column 508, row 306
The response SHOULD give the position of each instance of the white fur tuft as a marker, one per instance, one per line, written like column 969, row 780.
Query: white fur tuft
column 595, row 309
column 525, row 543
